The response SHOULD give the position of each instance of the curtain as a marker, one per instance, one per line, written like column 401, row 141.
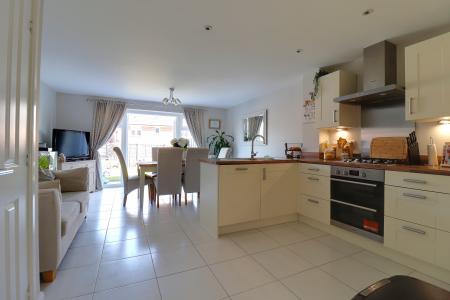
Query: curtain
column 254, row 123
column 195, row 122
column 107, row 115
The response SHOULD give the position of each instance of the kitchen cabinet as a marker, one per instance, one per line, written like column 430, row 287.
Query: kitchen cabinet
column 331, row 114
column 427, row 79
column 278, row 190
column 314, row 190
column 239, row 193
column 416, row 219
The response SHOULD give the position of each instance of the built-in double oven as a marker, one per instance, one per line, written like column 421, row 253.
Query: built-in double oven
column 357, row 200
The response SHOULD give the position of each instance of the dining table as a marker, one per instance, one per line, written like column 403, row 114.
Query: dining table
column 145, row 167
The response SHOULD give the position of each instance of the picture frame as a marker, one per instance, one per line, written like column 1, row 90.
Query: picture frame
column 214, row 124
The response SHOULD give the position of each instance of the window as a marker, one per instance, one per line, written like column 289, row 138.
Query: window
column 137, row 134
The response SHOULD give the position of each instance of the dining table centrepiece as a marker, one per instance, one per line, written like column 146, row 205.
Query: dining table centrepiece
column 180, row 143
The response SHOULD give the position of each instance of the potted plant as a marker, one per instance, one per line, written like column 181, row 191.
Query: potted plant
column 218, row 141
column 318, row 74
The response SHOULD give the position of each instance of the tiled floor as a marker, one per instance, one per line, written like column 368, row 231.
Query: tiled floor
column 131, row 254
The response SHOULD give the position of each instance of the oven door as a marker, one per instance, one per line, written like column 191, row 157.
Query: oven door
column 358, row 205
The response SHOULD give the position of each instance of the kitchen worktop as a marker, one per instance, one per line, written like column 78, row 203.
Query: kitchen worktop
column 394, row 167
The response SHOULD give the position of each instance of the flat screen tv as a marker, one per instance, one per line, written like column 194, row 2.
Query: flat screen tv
column 74, row 144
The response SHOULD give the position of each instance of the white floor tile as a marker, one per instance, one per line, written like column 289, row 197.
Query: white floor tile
column 253, row 241
column 315, row 252
column 85, row 297
column 177, row 260
column 81, row 256
column 315, row 284
column 71, row 283
column 123, row 272
column 240, row 275
column 94, row 225
column 125, row 233
column 307, row 230
column 147, row 290
column 124, row 222
column 282, row 262
column 339, row 244
column 285, row 235
column 219, row 250
column 198, row 284
column 168, row 242
column 271, row 291
column 89, row 238
column 381, row 263
column 125, row 249
column 353, row 273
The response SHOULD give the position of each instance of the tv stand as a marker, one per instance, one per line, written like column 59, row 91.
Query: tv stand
column 90, row 164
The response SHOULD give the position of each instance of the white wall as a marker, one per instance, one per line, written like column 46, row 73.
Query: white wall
column 75, row 112
column 283, row 121
column 47, row 113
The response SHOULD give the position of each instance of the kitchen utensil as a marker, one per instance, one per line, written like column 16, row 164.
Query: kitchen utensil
column 432, row 154
column 413, row 149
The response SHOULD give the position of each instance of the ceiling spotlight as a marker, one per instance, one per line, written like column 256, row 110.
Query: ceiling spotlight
column 299, row 51
column 208, row 27
column 444, row 122
column 367, row 12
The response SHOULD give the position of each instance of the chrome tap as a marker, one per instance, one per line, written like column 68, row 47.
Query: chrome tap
column 253, row 153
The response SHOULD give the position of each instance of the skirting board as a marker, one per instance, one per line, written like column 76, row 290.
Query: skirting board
column 380, row 249
column 257, row 224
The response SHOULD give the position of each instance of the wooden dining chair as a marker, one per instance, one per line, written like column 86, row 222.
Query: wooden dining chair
column 191, row 176
column 169, row 172
column 131, row 182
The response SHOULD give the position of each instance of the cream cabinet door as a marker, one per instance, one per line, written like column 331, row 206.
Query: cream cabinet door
column 314, row 185
column 239, row 194
column 427, row 79
column 443, row 249
column 328, row 90
column 278, row 190
column 314, row 208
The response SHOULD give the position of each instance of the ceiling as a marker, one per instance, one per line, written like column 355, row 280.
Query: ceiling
column 137, row 49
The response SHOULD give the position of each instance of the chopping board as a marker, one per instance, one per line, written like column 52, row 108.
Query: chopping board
column 389, row 148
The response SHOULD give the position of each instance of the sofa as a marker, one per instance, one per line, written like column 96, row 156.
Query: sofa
column 63, row 206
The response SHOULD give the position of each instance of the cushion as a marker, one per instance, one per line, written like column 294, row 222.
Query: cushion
column 80, row 197
column 46, row 175
column 54, row 184
column 69, row 214
column 75, row 180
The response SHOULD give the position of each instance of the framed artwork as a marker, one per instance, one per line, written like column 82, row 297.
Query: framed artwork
column 214, row 124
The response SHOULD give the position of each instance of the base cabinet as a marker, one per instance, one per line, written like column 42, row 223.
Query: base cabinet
column 315, row 208
column 90, row 164
column 239, row 194
column 278, row 190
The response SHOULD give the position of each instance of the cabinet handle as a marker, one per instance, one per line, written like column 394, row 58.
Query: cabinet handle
column 411, row 105
column 264, row 173
column 410, row 180
column 313, row 201
column 415, row 196
column 334, row 116
column 314, row 169
column 415, row 230
column 313, row 178
column 241, row 169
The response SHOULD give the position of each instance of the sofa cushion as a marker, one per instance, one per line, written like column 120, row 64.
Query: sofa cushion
column 80, row 197
column 75, row 180
column 69, row 214
column 54, row 184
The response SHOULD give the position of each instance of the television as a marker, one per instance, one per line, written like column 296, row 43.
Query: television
column 72, row 143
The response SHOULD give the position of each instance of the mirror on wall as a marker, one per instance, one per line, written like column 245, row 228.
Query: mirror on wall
column 255, row 124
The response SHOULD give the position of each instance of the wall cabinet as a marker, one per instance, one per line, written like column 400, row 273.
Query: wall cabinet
column 90, row 164
column 331, row 114
column 278, row 190
column 239, row 194
column 427, row 79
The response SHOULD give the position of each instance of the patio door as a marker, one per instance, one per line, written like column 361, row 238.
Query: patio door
column 16, row 136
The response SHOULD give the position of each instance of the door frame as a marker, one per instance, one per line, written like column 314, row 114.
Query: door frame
column 34, row 291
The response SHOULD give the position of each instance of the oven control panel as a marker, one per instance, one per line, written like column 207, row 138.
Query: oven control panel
column 366, row 174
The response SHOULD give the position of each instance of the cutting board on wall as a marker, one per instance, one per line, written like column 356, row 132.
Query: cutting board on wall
column 389, row 148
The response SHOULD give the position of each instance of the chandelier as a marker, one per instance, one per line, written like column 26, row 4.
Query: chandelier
column 171, row 100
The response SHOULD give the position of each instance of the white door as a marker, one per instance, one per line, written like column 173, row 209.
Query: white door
column 14, row 81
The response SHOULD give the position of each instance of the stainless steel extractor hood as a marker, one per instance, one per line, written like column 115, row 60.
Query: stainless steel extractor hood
column 379, row 76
